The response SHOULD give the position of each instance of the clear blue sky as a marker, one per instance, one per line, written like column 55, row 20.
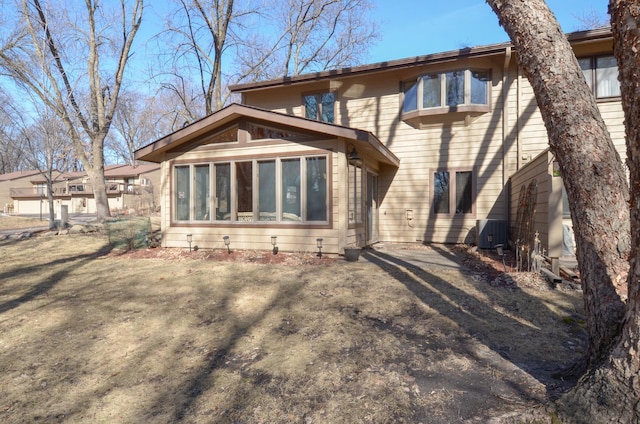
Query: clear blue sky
column 418, row 27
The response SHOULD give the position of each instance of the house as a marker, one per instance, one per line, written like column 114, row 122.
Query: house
column 414, row 150
column 16, row 179
column 129, row 189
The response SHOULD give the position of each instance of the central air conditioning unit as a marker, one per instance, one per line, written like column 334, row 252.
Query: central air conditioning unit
column 491, row 232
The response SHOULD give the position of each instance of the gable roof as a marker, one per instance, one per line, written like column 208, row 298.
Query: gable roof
column 17, row 175
column 448, row 56
column 129, row 171
column 360, row 138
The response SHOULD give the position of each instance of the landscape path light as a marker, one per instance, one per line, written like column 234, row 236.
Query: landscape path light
column 227, row 242
column 273, row 243
column 189, row 240
column 319, row 246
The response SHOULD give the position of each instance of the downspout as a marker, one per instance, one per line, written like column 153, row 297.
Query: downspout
column 505, row 129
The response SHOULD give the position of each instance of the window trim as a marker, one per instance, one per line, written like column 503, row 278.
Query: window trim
column 452, row 193
column 213, row 203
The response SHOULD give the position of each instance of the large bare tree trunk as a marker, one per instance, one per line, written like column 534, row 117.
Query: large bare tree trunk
column 591, row 168
column 610, row 391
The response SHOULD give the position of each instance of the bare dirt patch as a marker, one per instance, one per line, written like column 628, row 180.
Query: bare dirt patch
column 166, row 335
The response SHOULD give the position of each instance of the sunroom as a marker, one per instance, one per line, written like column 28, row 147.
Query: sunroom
column 253, row 177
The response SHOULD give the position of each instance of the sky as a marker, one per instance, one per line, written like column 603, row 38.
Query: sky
column 419, row 27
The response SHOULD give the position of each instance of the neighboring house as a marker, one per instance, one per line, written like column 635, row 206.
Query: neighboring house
column 17, row 179
column 130, row 189
column 414, row 150
column 138, row 187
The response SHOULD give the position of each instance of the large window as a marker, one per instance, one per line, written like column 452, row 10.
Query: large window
column 273, row 190
column 601, row 74
column 453, row 192
column 447, row 89
column 319, row 107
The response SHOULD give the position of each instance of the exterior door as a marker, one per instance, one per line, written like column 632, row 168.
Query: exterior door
column 372, row 208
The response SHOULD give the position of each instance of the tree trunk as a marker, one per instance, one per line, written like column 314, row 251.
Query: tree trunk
column 581, row 143
column 611, row 393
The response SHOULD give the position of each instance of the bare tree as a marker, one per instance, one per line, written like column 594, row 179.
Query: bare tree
column 607, row 230
column 46, row 149
column 11, row 155
column 200, row 28
column 324, row 34
column 276, row 39
column 74, row 64
column 139, row 120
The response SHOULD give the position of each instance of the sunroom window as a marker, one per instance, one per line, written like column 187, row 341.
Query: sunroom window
column 451, row 89
column 601, row 73
column 270, row 190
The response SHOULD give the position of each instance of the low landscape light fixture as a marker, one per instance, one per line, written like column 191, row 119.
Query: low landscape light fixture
column 189, row 240
column 273, row 243
column 319, row 246
column 227, row 242
column 490, row 240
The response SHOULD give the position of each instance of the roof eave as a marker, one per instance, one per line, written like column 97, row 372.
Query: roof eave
column 479, row 51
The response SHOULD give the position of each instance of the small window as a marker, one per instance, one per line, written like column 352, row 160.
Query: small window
column 453, row 196
column 601, row 74
column 319, row 107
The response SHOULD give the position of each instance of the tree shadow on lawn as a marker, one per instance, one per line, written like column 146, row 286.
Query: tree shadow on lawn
column 490, row 344
column 46, row 284
column 512, row 339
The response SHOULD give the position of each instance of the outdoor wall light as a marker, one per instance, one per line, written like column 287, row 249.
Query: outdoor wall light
column 189, row 240
column 353, row 156
column 319, row 246
column 273, row 243
column 227, row 242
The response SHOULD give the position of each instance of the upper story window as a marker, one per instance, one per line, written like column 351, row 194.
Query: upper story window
column 453, row 89
column 601, row 73
column 320, row 107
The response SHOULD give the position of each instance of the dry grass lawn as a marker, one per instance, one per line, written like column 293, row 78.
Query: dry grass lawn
column 160, row 336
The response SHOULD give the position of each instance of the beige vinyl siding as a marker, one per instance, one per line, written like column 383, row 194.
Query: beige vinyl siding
column 477, row 146
column 495, row 145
